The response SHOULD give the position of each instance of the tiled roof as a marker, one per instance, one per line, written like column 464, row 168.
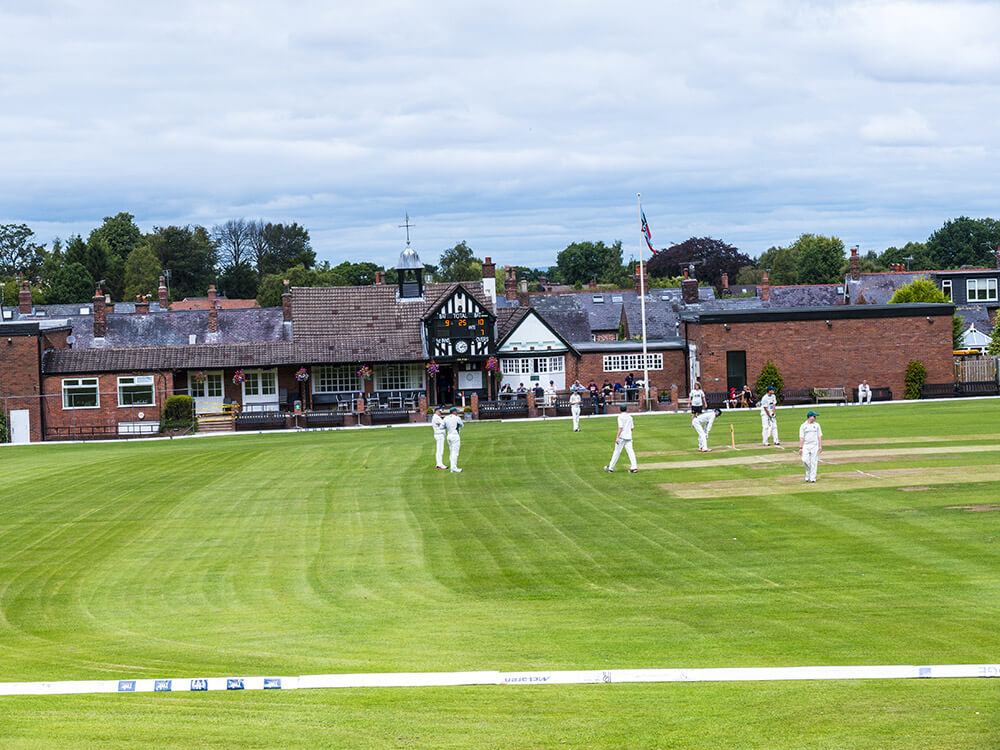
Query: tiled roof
column 368, row 323
column 508, row 319
column 146, row 358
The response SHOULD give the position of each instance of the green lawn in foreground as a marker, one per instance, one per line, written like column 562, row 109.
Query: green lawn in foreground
column 347, row 552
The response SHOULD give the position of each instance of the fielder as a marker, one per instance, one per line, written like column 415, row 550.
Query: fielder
column 768, row 421
column 702, row 424
column 437, row 423
column 698, row 401
column 810, row 444
column 624, row 440
column 574, row 409
column 453, row 425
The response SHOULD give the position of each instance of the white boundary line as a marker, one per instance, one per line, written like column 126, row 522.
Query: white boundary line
column 491, row 677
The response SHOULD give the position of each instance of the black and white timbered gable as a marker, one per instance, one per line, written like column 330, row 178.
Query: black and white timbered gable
column 460, row 328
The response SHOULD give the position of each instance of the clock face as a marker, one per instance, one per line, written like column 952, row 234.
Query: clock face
column 461, row 347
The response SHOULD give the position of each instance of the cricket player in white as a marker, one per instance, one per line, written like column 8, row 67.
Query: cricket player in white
column 702, row 424
column 697, row 398
column 453, row 425
column 437, row 423
column 864, row 393
column 574, row 409
column 810, row 444
column 624, row 440
column 768, row 422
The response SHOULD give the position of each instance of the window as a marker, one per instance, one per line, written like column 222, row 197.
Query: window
column 136, row 390
column 617, row 298
column 529, row 365
column 519, row 366
column 946, row 289
column 598, row 300
column 335, row 379
column 260, row 383
column 80, row 393
column 399, row 377
column 631, row 362
column 981, row 290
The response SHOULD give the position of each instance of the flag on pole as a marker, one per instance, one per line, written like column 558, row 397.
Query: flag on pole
column 645, row 232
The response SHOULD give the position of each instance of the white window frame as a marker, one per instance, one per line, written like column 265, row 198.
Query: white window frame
column 981, row 290
column 946, row 289
column 128, row 381
column 206, row 389
column 74, row 386
column 335, row 379
column 632, row 362
column 255, row 384
column 515, row 366
column 399, row 377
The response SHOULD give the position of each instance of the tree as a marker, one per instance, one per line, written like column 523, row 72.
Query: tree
column 18, row 254
column 353, row 274
column 233, row 242
column 919, row 258
column 287, row 246
column 586, row 261
column 91, row 255
column 964, row 242
column 459, row 264
column 781, row 264
column 819, row 259
column 711, row 257
column 914, row 379
column 239, row 282
column 120, row 235
column 994, row 345
column 923, row 290
column 272, row 286
column 190, row 256
column 142, row 272
column 71, row 283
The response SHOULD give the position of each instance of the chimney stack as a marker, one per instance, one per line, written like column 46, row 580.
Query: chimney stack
column 490, row 280
column 378, row 278
column 24, row 298
column 522, row 292
column 100, row 314
column 854, row 264
column 286, row 303
column 641, row 279
column 509, row 283
column 142, row 304
column 725, row 285
column 162, row 294
column 689, row 289
column 765, row 288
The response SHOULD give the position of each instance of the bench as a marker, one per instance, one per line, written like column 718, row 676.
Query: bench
column 878, row 394
column 716, row 400
column 84, row 432
column 260, row 420
column 830, row 395
column 563, row 407
column 385, row 415
column 940, row 390
column 505, row 409
column 324, row 419
column 980, row 388
column 334, row 401
column 796, row 395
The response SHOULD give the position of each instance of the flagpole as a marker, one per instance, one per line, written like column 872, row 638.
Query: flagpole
column 642, row 305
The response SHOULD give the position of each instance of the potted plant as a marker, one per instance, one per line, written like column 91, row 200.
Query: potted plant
column 239, row 377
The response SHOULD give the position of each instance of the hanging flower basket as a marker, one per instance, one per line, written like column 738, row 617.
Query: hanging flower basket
column 239, row 377
column 492, row 365
column 200, row 377
column 301, row 375
column 433, row 368
column 365, row 372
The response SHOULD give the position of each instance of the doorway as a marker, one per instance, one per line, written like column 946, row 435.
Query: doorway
column 445, row 383
column 20, row 426
column 736, row 370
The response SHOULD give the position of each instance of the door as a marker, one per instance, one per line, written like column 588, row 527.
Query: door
column 207, row 392
column 736, row 370
column 445, row 384
column 20, row 426
column 260, row 390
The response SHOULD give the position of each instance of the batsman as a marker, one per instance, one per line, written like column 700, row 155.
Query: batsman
column 768, row 422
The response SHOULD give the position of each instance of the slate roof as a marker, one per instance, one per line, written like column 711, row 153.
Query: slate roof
column 508, row 319
column 806, row 295
column 878, row 288
column 261, row 324
column 75, row 310
column 368, row 323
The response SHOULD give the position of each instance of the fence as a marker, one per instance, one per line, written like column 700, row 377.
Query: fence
column 976, row 370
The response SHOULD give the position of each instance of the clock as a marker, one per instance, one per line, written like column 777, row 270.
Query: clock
column 461, row 347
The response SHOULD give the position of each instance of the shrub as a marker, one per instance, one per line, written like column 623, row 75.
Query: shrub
column 4, row 435
column 178, row 411
column 916, row 376
column 769, row 376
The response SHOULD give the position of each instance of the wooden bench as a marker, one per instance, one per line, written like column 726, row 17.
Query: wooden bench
column 796, row 396
column 939, row 390
column 260, row 420
column 980, row 388
column 830, row 395
column 388, row 416
column 324, row 419
column 563, row 407
column 83, row 432
column 504, row 409
column 878, row 394
column 716, row 400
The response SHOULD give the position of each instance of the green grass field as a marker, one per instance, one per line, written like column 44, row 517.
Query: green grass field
column 346, row 551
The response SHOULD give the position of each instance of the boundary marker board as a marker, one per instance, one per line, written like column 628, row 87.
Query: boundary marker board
column 492, row 677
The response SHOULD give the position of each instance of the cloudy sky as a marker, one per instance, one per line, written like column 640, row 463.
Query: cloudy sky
column 517, row 126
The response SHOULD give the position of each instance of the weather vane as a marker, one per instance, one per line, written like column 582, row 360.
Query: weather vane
column 407, row 225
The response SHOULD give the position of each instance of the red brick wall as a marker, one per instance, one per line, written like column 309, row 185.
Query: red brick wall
column 19, row 384
column 590, row 367
column 809, row 353
column 108, row 414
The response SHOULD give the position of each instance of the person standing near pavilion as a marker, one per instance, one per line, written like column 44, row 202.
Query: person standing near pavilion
column 624, row 440
column 437, row 424
column 574, row 409
column 453, row 425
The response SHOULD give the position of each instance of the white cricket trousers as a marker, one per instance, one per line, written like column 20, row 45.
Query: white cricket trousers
column 702, row 434
column 454, row 446
column 439, row 450
column 575, row 411
column 810, row 459
column 627, row 445
column 768, row 427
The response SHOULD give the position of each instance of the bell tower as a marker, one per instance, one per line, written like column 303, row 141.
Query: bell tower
column 410, row 270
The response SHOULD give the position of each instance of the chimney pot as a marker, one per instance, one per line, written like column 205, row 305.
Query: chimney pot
column 854, row 265
column 100, row 314
column 213, row 317
column 765, row 288
column 24, row 299
column 286, row 303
